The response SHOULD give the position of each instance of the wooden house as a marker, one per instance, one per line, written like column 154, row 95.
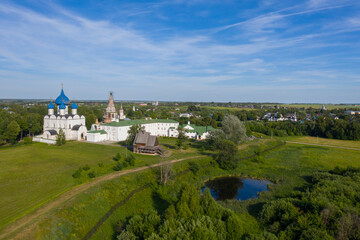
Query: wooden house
column 146, row 143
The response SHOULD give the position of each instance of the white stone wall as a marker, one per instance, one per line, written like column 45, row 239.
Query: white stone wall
column 116, row 133
column 57, row 122
column 96, row 137
column 40, row 139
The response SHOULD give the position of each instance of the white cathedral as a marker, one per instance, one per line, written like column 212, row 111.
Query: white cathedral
column 72, row 124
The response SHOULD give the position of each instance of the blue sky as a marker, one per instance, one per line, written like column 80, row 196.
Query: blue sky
column 182, row 50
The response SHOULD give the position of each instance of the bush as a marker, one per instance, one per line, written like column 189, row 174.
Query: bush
column 86, row 167
column 117, row 157
column 91, row 174
column 27, row 140
column 130, row 160
column 101, row 164
column 194, row 167
column 118, row 167
column 77, row 174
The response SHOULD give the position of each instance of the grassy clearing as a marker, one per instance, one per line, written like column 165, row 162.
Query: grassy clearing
column 78, row 216
column 31, row 175
column 324, row 141
column 290, row 164
column 316, row 106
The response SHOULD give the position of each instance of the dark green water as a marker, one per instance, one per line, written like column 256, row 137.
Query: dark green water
column 236, row 188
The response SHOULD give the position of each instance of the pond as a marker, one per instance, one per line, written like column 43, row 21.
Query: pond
column 236, row 188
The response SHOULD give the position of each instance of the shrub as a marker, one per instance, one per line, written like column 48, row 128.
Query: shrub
column 130, row 160
column 117, row 157
column 77, row 174
column 91, row 174
column 86, row 167
column 118, row 167
column 27, row 140
column 101, row 164
column 194, row 167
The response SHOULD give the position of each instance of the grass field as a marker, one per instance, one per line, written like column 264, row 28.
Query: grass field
column 323, row 141
column 31, row 175
column 316, row 106
column 289, row 164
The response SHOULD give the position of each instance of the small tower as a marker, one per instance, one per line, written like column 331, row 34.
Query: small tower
column 51, row 108
column 134, row 108
column 74, row 109
column 62, row 108
column 121, row 115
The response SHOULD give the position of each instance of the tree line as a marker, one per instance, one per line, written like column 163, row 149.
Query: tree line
column 322, row 127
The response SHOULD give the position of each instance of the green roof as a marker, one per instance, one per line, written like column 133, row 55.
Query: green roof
column 98, row 131
column 200, row 130
column 203, row 129
column 139, row 121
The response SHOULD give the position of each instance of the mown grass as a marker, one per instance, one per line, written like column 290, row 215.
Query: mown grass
column 31, row 175
column 323, row 141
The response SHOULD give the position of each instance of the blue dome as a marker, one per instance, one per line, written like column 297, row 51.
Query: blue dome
column 62, row 98
column 74, row 106
column 62, row 106
column 51, row 106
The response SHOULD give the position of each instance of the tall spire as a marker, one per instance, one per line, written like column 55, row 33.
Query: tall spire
column 111, row 106
column 62, row 86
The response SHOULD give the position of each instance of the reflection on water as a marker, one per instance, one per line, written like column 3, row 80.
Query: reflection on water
column 236, row 188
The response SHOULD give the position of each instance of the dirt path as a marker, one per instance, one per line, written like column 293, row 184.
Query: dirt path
column 320, row 145
column 31, row 218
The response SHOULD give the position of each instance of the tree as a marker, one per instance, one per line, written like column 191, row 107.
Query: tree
column 34, row 123
column 165, row 172
column 234, row 129
column 60, row 138
column 227, row 155
column 181, row 136
column 134, row 129
column 12, row 131
column 215, row 138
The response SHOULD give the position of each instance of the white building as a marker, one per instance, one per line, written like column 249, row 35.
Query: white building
column 72, row 124
column 187, row 115
column 193, row 131
column 118, row 131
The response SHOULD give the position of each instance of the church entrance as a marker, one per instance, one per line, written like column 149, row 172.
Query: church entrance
column 82, row 136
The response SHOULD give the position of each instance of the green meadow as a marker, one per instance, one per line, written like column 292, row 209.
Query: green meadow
column 33, row 174
column 288, row 165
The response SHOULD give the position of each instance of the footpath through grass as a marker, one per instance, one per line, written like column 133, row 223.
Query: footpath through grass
column 31, row 175
column 289, row 165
